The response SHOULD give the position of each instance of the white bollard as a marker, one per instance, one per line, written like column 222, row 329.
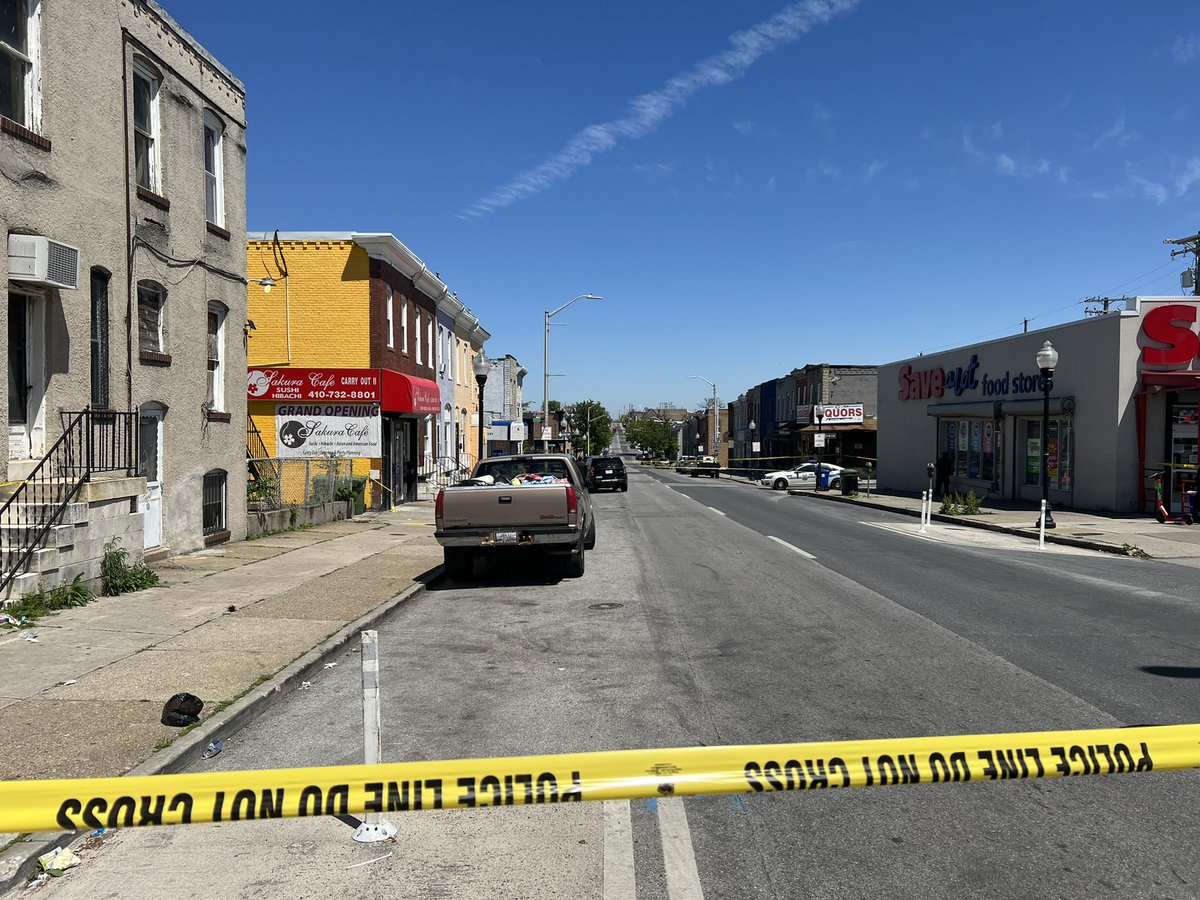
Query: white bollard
column 374, row 826
column 924, row 500
column 1042, row 528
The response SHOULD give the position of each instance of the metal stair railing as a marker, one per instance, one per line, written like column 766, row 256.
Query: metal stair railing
column 444, row 471
column 92, row 441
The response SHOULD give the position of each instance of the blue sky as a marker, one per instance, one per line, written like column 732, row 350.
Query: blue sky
column 751, row 186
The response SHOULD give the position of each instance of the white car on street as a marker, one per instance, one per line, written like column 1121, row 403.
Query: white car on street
column 802, row 476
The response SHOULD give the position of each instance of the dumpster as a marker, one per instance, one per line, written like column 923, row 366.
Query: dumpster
column 849, row 481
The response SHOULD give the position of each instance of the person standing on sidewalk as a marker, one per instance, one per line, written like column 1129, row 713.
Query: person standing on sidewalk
column 943, row 467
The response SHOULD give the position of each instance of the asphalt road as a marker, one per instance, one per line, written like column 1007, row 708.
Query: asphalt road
column 711, row 613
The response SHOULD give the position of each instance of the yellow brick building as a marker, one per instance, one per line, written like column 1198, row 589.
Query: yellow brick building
column 356, row 349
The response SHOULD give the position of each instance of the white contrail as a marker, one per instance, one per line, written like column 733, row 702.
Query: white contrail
column 645, row 112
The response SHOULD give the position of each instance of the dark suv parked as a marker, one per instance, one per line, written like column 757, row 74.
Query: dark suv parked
column 606, row 472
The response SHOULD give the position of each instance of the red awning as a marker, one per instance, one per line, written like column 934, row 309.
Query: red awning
column 409, row 394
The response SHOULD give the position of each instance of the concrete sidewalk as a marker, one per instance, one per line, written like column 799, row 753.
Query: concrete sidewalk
column 84, row 700
column 1111, row 533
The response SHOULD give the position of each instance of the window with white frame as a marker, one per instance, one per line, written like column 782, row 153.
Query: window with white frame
column 151, row 302
column 147, row 168
column 389, row 312
column 404, row 325
column 20, row 95
column 216, row 356
column 441, row 356
column 214, row 168
column 19, row 82
column 429, row 339
column 419, row 337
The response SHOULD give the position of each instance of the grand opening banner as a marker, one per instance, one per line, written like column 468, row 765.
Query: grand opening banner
column 319, row 429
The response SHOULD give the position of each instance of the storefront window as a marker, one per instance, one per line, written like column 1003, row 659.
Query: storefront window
column 1058, row 456
column 1185, row 438
column 972, row 445
column 1033, row 453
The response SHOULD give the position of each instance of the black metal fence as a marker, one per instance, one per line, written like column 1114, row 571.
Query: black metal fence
column 92, row 441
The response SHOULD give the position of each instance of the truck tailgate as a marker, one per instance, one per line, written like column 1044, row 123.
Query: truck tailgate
column 488, row 507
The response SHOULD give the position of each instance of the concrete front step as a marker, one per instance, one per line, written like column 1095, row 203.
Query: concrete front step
column 32, row 513
column 25, row 583
column 60, row 535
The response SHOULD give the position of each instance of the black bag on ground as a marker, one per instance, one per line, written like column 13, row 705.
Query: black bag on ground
column 181, row 710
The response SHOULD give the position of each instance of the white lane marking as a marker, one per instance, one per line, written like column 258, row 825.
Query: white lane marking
column 618, row 851
column 803, row 553
column 717, row 511
column 683, row 880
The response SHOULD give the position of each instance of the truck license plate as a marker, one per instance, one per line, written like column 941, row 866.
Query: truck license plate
column 608, row 471
column 506, row 537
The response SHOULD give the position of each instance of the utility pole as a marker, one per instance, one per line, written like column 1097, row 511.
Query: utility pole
column 1189, row 245
column 1106, row 302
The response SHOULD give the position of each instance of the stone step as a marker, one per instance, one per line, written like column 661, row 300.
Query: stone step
column 25, row 583
column 25, row 513
column 60, row 535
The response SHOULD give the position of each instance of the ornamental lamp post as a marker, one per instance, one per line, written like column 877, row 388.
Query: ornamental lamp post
column 1047, row 361
column 752, row 426
column 819, row 415
column 481, row 367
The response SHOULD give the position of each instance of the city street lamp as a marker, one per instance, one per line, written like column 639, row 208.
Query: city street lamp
column 1047, row 360
column 546, row 360
column 752, row 427
column 481, row 367
column 819, row 444
column 715, row 439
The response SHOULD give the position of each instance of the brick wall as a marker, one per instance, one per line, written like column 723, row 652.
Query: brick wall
column 326, row 298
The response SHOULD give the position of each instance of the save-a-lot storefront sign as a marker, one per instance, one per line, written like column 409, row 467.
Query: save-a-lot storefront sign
column 318, row 429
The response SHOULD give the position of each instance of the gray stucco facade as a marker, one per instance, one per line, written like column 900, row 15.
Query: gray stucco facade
column 161, row 263
column 1115, row 413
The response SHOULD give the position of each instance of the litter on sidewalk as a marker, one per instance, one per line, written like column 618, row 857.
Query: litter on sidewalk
column 58, row 861
column 182, row 710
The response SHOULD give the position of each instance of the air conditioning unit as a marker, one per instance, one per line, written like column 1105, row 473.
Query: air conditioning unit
column 40, row 260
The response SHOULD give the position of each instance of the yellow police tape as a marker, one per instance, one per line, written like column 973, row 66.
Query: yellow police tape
column 71, row 805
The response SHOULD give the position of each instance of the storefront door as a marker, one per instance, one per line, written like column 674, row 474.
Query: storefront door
column 1184, row 422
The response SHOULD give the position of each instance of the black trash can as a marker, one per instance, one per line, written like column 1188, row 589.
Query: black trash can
column 849, row 480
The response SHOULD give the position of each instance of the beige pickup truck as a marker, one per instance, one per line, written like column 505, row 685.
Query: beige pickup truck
column 537, row 503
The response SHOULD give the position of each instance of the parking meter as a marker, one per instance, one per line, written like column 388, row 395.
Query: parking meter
column 930, row 470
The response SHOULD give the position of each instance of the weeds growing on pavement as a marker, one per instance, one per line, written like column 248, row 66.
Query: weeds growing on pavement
column 1135, row 552
column 32, row 607
column 119, row 576
column 957, row 505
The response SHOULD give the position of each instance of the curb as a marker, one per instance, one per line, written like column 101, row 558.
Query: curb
column 1051, row 538
column 19, row 859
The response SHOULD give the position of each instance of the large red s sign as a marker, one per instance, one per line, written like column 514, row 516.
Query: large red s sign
column 1170, row 325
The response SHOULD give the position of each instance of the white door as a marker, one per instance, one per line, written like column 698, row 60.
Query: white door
column 150, row 433
column 26, row 383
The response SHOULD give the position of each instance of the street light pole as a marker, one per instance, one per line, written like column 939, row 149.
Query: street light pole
column 715, row 427
column 819, row 415
column 1047, row 360
column 546, row 362
column 752, row 427
column 481, row 367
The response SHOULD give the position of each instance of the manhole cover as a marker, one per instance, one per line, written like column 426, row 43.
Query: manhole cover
column 606, row 606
